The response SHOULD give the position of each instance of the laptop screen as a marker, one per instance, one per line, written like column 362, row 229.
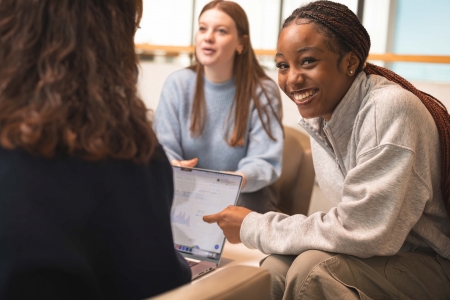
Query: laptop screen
column 197, row 193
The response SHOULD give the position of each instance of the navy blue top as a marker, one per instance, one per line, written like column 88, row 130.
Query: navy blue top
column 72, row 229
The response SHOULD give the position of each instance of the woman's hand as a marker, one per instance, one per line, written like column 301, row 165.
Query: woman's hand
column 229, row 220
column 185, row 163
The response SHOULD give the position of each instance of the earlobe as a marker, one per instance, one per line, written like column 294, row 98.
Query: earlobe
column 353, row 63
column 240, row 47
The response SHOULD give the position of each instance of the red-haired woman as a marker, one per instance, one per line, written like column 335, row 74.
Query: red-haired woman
column 224, row 113
column 381, row 154
column 85, row 189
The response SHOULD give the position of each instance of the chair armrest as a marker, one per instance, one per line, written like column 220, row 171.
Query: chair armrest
column 296, row 182
column 234, row 282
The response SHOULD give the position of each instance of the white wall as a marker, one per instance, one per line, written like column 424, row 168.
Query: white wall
column 153, row 75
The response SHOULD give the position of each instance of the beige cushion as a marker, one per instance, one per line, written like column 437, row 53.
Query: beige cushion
column 234, row 282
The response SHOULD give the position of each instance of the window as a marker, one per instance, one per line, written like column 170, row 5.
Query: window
column 398, row 26
column 166, row 22
column 421, row 28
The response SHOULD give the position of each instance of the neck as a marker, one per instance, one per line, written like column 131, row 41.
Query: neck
column 219, row 74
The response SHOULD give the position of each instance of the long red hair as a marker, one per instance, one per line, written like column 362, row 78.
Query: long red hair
column 248, row 76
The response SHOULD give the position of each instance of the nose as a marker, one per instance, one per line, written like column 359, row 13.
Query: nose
column 294, row 78
column 209, row 36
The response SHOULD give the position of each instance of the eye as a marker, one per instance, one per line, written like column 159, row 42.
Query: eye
column 282, row 65
column 222, row 31
column 308, row 60
column 201, row 29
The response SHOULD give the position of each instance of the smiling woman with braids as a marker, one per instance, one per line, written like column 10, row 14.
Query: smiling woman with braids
column 85, row 189
column 381, row 155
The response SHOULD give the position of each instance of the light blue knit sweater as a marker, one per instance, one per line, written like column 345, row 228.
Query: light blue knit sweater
column 260, row 159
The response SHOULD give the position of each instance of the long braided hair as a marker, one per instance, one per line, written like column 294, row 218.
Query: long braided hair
column 340, row 24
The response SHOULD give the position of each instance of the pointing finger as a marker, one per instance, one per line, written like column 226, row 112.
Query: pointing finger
column 212, row 218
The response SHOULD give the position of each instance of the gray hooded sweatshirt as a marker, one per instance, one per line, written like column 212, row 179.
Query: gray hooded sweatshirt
column 378, row 160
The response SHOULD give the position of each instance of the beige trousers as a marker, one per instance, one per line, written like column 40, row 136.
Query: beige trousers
column 321, row 275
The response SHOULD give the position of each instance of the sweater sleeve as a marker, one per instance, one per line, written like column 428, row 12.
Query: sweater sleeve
column 167, row 123
column 263, row 162
column 374, row 218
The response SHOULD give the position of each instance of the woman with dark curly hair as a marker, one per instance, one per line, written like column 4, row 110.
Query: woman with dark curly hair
column 381, row 155
column 85, row 189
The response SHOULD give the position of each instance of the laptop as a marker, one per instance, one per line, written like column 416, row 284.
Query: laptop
column 200, row 192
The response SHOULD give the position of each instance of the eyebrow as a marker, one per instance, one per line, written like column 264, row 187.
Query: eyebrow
column 214, row 25
column 303, row 49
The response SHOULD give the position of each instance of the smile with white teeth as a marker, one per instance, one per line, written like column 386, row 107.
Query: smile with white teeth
column 303, row 96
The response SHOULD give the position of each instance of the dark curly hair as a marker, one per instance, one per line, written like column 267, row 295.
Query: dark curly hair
column 68, row 73
column 343, row 27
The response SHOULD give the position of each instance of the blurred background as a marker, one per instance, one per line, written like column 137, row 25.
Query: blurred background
column 410, row 37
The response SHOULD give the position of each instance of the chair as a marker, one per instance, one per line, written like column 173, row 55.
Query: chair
column 234, row 282
column 295, row 185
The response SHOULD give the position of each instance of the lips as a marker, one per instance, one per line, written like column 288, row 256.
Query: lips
column 208, row 50
column 302, row 97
